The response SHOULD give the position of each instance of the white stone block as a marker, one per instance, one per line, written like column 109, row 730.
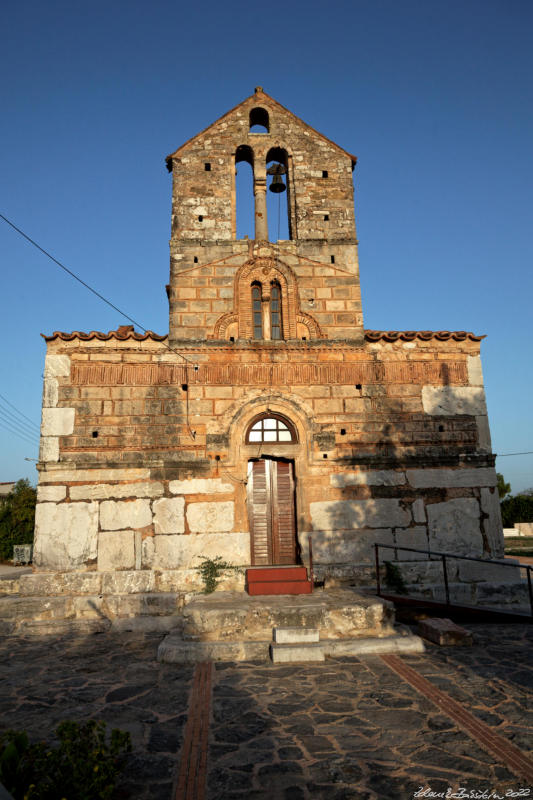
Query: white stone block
column 210, row 517
column 450, row 400
column 50, row 392
column 65, row 535
column 349, row 547
column 102, row 491
column 289, row 653
column 57, row 421
column 386, row 477
column 416, row 537
column 447, row 478
column 454, row 526
column 49, row 448
column 186, row 551
column 51, row 494
column 351, row 514
column 200, row 486
column 95, row 475
column 169, row 515
column 128, row 582
column 122, row 514
column 116, row 550
column 490, row 504
column 295, row 635
column 475, row 373
column 483, row 433
column 56, row 366
column 419, row 510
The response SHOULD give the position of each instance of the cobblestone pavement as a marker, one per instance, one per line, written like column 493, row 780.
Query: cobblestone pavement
column 348, row 728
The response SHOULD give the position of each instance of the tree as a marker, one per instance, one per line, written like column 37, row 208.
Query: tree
column 17, row 517
column 503, row 488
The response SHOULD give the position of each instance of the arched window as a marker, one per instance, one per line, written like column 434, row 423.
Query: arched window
column 275, row 312
column 271, row 428
column 244, row 192
column 259, row 122
column 257, row 311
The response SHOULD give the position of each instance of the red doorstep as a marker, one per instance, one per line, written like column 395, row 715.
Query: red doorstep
column 277, row 580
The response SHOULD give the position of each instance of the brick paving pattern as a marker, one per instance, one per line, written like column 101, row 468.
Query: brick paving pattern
column 349, row 728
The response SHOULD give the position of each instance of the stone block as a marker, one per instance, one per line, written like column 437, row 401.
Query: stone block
column 102, row 491
column 444, row 632
column 185, row 552
column 49, row 448
column 50, row 392
column 384, row 477
column 345, row 547
column 477, row 572
column 475, row 373
column 483, row 433
column 351, row 514
column 57, row 421
column 94, row 475
column 200, row 486
column 65, row 535
column 410, row 537
column 447, row 478
column 451, row 400
column 454, row 526
column 289, row 653
column 169, row 515
column 124, row 514
column 210, row 517
column 43, row 584
column 56, row 366
column 116, row 550
column 490, row 504
column 129, row 582
column 51, row 494
column 295, row 635
column 419, row 510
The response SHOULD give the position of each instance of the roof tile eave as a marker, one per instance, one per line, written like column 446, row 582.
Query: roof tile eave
column 409, row 336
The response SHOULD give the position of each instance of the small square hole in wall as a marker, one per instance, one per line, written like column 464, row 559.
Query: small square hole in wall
column 324, row 173
column 441, row 428
column 95, row 434
column 343, row 431
column 324, row 455
column 207, row 166
column 332, row 259
column 326, row 217
column 304, row 338
column 200, row 218
column 196, row 259
column 232, row 338
column 358, row 386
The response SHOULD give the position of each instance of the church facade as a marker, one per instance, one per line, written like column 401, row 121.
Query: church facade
column 269, row 414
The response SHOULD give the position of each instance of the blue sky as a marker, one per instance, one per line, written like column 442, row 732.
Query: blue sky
column 433, row 96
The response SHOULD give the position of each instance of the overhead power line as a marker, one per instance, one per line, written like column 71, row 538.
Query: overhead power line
column 19, row 422
column 526, row 453
column 22, row 436
column 18, row 412
column 32, row 434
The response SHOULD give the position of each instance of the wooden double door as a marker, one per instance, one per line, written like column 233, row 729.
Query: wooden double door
column 271, row 511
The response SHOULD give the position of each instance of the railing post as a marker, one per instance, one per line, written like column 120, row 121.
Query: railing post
column 311, row 575
column 378, row 581
column 446, row 587
column 530, row 588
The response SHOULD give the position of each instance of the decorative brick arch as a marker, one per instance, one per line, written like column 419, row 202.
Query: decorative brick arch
column 266, row 271
column 310, row 323
column 223, row 325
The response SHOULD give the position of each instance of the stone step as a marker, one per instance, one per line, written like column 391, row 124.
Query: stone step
column 279, row 587
column 288, row 653
column 295, row 635
column 289, row 573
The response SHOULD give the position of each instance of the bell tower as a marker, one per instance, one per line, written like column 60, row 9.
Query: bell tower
column 305, row 287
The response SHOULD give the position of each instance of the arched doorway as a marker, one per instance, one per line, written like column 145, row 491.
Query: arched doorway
column 271, row 493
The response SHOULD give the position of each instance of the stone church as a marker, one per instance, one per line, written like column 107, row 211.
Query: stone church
column 268, row 414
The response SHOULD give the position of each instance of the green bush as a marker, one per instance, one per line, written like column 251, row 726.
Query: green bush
column 518, row 508
column 394, row 578
column 84, row 766
column 17, row 518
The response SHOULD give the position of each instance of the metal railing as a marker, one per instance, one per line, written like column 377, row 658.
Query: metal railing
column 443, row 556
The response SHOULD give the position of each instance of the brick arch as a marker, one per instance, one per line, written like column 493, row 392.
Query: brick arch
column 266, row 271
column 222, row 325
column 309, row 322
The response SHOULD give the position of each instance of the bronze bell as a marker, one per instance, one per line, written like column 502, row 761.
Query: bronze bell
column 277, row 170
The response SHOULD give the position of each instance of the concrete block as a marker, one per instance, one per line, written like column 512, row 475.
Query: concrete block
column 210, row 517
column 169, row 515
column 56, row 366
column 454, row 526
column 51, row 494
column 57, row 421
column 116, row 550
column 49, row 448
column 102, row 491
column 444, row 632
column 350, row 514
column 295, row 635
column 123, row 514
column 386, row 477
column 288, row 653
column 65, row 535
column 451, row 400
column 448, row 478
column 200, row 486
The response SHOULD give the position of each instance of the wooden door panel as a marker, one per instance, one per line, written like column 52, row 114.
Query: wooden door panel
column 271, row 512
